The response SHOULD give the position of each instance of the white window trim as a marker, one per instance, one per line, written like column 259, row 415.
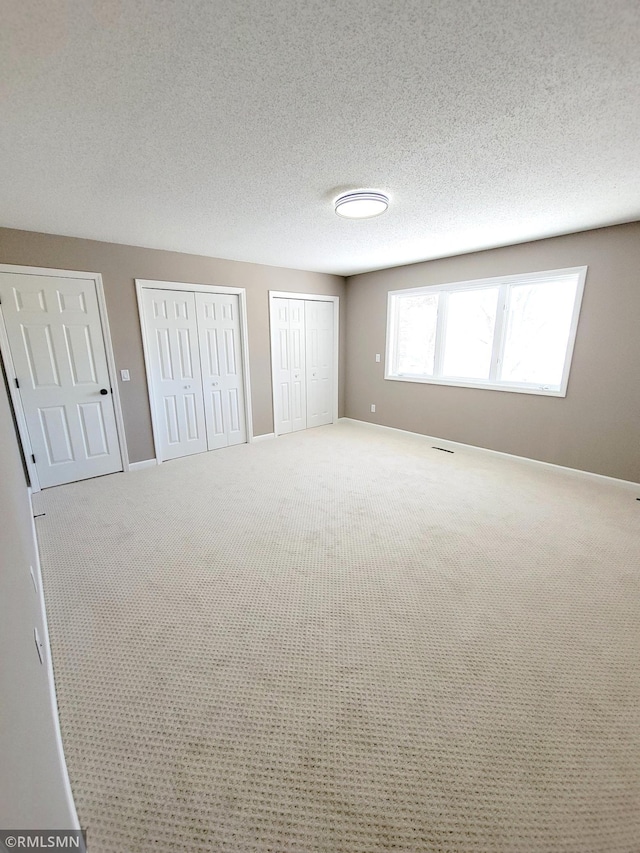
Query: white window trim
column 503, row 282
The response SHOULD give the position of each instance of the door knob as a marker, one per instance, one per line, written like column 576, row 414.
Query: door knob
column 103, row 391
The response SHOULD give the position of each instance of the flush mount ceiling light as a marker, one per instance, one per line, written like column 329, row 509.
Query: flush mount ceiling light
column 361, row 205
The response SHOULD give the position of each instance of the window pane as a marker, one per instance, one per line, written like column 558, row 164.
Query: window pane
column 538, row 325
column 471, row 319
column 417, row 319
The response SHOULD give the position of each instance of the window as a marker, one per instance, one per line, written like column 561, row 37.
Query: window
column 512, row 333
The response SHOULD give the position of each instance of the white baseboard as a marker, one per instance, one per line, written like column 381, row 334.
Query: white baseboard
column 263, row 437
column 591, row 475
column 146, row 463
column 68, row 794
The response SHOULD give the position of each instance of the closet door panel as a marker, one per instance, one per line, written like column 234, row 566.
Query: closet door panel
column 222, row 368
column 281, row 366
column 176, row 382
column 319, row 362
column 297, row 348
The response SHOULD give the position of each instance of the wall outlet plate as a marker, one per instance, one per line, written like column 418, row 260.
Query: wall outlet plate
column 377, row 356
column 373, row 407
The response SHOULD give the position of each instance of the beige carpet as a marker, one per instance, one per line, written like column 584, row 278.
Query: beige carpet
column 345, row 641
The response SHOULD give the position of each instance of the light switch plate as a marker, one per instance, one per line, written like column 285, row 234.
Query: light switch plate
column 377, row 356
column 124, row 375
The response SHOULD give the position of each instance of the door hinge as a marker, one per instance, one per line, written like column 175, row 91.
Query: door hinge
column 33, row 458
column 16, row 381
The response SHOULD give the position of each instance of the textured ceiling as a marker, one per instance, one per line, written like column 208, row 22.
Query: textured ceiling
column 227, row 127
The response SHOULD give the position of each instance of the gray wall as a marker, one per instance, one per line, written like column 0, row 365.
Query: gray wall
column 120, row 265
column 596, row 427
column 31, row 777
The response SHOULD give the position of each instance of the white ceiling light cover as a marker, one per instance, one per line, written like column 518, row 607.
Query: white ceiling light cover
column 361, row 205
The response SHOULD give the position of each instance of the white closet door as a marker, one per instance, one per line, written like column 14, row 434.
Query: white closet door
column 298, row 375
column 281, row 366
column 288, row 365
column 222, row 374
column 55, row 337
column 172, row 343
column 319, row 362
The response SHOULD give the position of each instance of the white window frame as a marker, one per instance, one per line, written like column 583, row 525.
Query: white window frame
column 503, row 283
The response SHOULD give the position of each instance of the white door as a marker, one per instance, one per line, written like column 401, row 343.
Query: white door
column 297, row 356
column 218, row 317
column 302, row 362
column 172, row 344
column 281, row 365
column 319, row 362
column 57, row 347
column 288, row 365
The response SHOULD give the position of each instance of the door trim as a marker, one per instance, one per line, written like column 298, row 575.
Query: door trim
column 144, row 283
column 48, row 663
column 16, row 400
column 313, row 297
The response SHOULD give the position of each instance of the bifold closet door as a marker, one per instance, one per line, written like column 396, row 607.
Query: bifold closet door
column 218, row 318
column 302, row 357
column 319, row 354
column 172, row 344
column 288, row 360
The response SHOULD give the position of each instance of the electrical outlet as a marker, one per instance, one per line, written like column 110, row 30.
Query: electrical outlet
column 124, row 375
column 373, row 407
column 377, row 356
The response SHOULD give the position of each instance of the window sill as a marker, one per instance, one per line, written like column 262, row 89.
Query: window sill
column 485, row 386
